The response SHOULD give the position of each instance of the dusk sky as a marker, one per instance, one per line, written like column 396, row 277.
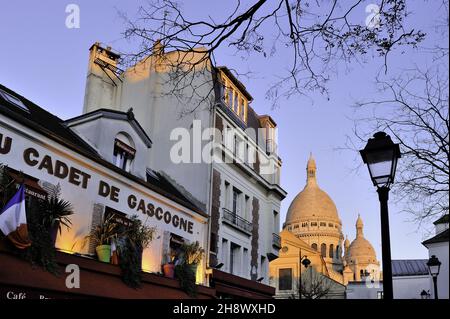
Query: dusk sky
column 46, row 62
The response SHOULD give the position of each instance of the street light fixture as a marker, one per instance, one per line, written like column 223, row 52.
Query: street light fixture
column 434, row 265
column 381, row 156
column 305, row 262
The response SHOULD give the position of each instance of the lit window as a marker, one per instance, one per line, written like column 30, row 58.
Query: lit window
column 124, row 153
column 234, row 99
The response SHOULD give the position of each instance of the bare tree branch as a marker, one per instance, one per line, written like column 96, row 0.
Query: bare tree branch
column 317, row 33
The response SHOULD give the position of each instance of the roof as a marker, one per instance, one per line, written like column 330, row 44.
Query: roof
column 40, row 119
column 112, row 114
column 54, row 128
column 409, row 267
column 442, row 220
column 439, row 238
column 236, row 82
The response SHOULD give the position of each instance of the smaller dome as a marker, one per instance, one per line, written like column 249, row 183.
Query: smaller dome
column 361, row 248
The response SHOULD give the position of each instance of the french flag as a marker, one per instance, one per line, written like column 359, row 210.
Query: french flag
column 13, row 220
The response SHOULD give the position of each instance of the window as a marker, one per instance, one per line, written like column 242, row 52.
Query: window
column 338, row 253
column 224, row 250
column 331, row 254
column 124, row 152
column 234, row 99
column 275, row 221
column 236, row 201
column 227, row 195
column 234, row 258
column 296, row 226
column 323, row 250
column 314, row 246
column 323, row 224
column 314, row 224
column 13, row 100
column 330, row 225
column 175, row 245
column 263, row 266
column 285, row 279
column 247, row 208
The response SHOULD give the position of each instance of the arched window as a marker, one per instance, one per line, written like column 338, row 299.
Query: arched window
column 331, row 255
column 323, row 250
column 314, row 246
column 338, row 253
column 124, row 151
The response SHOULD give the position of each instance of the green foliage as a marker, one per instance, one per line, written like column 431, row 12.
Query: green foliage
column 55, row 211
column 103, row 233
column 130, row 259
column 192, row 253
column 186, row 277
column 139, row 233
column 7, row 184
column 136, row 238
column 42, row 251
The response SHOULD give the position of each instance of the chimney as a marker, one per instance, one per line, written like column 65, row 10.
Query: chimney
column 101, row 80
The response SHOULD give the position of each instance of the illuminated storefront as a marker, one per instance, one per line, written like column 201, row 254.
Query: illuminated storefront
column 43, row 153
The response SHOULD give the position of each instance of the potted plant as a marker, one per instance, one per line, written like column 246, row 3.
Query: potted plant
column 186, row 271
column 55, row 213
column 137, row 237
column 102, row 235
column 169, row 267
column 192, row 254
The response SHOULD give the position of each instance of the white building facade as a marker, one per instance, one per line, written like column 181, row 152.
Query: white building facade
column 438, row 246
column 237, row 181
column 86, row 158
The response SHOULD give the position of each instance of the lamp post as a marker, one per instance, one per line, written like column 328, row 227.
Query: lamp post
column 381, row 155
column 424, row 295
column 305, row 262
column 434, row 265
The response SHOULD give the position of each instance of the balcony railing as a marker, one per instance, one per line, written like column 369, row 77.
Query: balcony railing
column 276, row 241
column 237, row 221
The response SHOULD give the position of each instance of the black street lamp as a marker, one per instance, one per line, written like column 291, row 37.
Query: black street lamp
column 434, row 265
column 381, row 155
column 305, row 262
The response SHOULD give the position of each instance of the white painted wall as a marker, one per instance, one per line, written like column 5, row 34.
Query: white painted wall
column 145, row 88
column 83, row 200
column 358, row 290
column 410, row 287
column 101, row 133
column 440, row 250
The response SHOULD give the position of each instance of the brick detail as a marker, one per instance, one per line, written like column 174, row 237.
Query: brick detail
column 255, row 237
column 215, row 216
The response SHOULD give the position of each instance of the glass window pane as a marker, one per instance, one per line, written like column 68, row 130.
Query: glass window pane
column 285, row 279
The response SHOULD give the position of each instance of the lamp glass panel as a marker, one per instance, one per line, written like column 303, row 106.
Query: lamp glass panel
column 434, row 270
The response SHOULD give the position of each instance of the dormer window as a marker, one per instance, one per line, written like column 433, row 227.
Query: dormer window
column 234, row 98
column 124, row 152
